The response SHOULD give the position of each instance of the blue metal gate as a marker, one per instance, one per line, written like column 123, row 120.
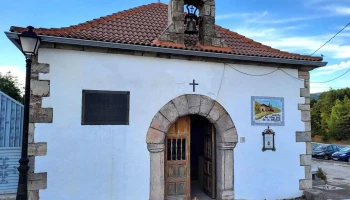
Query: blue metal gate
column 11, row 124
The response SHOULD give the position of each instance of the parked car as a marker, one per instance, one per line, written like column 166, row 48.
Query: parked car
column 342, row 155
column 314, row 145
column 324, row 151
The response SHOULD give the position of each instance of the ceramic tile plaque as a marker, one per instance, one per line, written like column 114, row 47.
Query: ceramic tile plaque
column 267, row 111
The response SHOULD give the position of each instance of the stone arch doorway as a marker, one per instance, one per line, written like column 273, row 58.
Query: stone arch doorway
column 226, row 140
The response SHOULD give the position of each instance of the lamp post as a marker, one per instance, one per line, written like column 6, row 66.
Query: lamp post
column 30, row 44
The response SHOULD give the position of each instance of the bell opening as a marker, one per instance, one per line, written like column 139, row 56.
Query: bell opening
column 191, row 19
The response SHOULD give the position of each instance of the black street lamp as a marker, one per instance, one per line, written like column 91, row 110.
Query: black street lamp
column 30, row 44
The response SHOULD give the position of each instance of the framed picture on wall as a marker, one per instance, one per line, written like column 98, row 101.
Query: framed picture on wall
column 267, row 111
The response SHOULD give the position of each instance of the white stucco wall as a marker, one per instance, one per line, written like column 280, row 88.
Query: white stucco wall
column 112, row 162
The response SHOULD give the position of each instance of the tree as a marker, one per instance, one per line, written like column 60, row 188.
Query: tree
column 334, row 119
column 321, row 111
column 10, row 86
column 346, row 102
column 316, row 119
column 339, row 118
column 257, row 107
column 270, row 105
column 346, row 127
column 312, row 102
column 345, row 123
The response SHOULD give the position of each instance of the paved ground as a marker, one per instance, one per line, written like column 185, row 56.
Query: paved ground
column 338, row 174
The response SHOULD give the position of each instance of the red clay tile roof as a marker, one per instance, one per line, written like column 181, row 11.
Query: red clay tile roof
column 144, row 25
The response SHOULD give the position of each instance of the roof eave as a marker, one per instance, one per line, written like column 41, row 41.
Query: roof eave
column 52, row 39
column 12, row 37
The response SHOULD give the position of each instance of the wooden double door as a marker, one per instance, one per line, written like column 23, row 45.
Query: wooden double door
column 177, row 161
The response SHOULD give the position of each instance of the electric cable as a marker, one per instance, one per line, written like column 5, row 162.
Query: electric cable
column 347, row 71
column 294, row 76
column 330, row 39
column 222, row 77
column 252, row 74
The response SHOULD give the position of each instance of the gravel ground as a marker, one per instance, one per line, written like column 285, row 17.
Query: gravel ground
column 338, row 174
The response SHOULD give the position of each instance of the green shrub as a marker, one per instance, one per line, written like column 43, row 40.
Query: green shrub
column 322, row 175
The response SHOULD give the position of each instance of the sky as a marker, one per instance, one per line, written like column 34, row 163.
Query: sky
column 297, row 26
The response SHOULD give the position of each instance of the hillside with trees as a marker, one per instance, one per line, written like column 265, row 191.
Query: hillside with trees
column 315, row 95
column 330, row 115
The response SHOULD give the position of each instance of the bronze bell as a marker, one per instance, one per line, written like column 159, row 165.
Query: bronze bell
column 191, row 27
column 191, row 19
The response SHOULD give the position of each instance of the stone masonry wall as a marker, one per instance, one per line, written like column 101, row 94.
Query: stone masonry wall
column 37, row 114
column 226, row 141
column 175, row 30
column 208, row 36
column 305, row 136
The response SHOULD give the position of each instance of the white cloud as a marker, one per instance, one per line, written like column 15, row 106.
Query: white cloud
column 335, row 7
column 15, row 71
column 342, row 65
column 283, row 34
column 265, row 18
column 249, row 32
column 318, row 87
column 339, row 10
column 278, row 38
column 310, row 44
column 332, row 68
column 285, row 21
column 344, row 82
column 254, row 15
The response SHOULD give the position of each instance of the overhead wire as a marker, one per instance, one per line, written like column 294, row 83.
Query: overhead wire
column 287, row 74
column 222, row 78
column 347, row 71
column 330, row 39
column 253, row 74
column 310, row 55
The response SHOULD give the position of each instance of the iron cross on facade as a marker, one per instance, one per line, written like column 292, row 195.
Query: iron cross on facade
column 194, row 85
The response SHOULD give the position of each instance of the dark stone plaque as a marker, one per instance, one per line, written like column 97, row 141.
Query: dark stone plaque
column 105, row 108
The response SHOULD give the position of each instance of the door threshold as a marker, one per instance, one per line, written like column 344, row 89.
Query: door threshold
column 197, row 191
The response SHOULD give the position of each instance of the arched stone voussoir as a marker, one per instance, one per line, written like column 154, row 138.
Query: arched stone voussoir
column 216, row 112
column 224, row 123
column 155, row 148
column 206, row 105
column 155, row 136
column 229, row 136
column 181, row 105
column 160, row 123
column 169, row 111
column 194, row 102
column 226, row 135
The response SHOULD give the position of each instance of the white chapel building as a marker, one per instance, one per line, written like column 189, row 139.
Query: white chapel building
column 152, row 104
